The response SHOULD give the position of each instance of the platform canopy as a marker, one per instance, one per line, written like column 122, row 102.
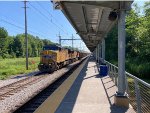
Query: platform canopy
column 92, row 20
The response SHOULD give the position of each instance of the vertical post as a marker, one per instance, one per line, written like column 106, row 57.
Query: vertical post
column 121, row 97
column 26, row 38
column 113, row 73
column 121, row 53
column 59, row 39
column 80, row 46
column 94, row 53
column 103, row 49
column 138, row 97
column 72, row 41
column 98, row 53
column 115, row 76
column 110, row 70
column 101, row 52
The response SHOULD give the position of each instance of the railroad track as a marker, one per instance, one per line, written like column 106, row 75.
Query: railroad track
column 17, row 86
column 36, row 101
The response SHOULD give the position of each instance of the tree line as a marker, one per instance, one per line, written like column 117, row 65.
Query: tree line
column 14, row 46
column 137, row 42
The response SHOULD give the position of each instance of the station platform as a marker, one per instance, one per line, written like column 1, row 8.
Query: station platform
column 88, row 93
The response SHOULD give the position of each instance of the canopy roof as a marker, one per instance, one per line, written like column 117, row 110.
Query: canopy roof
column 90, row 18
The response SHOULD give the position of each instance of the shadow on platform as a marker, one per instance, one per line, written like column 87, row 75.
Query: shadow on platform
column 72, row 94
column 68, row 103
column 110, row 95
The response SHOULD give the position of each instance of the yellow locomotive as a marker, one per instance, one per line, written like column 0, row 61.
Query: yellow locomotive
column 54, row 57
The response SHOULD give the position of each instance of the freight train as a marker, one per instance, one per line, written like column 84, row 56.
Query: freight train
column 54, row 57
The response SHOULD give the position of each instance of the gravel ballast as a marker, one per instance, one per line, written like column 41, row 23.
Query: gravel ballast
column 10, row 104
column 16, row 78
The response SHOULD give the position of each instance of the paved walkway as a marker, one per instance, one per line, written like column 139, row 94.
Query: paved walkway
column 84, row 92
column 91, row 94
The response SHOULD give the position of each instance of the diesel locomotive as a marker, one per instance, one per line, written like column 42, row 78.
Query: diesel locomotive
column 54, row 57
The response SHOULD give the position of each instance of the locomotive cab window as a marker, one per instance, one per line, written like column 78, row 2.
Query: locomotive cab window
column 54, row 48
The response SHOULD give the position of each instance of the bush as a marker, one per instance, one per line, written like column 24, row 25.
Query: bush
column 139, row 69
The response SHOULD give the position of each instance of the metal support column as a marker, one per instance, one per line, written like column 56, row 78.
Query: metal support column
column 121, row 97
column 121, row 53
column 72, row 42
column 95, row 53
column 100, row 49
column 98, row 53
column 103, row 50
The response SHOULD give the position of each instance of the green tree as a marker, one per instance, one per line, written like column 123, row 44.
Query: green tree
column 3, row 42
column 47, row 42
column 39, row 45
column 10, row 44
column 132, row 24
column 112, row 45
column 19, row 45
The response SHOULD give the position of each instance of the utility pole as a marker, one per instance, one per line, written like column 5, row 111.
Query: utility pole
column 26, row 38
column 59, row 39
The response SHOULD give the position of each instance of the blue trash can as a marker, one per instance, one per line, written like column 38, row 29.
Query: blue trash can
column 103, row 70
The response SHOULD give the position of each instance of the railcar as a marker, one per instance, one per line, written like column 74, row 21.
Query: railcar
column 54, row 57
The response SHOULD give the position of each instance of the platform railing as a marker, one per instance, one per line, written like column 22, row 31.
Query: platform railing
column 138, row 90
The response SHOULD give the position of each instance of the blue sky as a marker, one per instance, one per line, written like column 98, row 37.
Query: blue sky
column 43, row 21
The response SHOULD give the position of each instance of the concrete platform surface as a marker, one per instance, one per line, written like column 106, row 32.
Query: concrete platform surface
column 91, row 93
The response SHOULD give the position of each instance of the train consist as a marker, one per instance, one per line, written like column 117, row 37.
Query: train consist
column 54, row 57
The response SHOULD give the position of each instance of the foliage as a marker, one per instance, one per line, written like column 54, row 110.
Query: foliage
column 3, row 42
column 14, row 46
column 15, row 66
column 69, row 47
column 137, row 42
column 112, row 45
column 12, row 53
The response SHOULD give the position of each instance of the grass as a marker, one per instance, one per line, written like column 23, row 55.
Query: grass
column 138, row 69
column 9, row 67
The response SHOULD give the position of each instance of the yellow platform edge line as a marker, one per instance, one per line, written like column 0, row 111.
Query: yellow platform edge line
column 51, row 104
